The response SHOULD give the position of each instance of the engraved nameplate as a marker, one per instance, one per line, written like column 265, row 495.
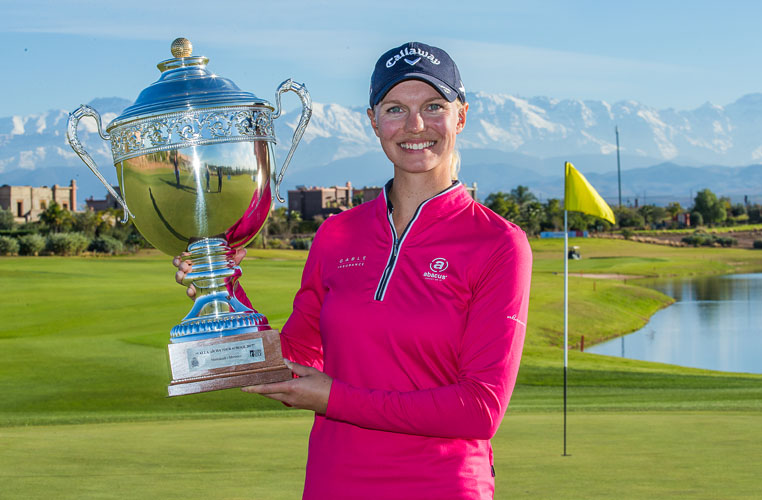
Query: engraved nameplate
column 223, row 355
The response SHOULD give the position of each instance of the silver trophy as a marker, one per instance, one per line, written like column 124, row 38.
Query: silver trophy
column 193, row 156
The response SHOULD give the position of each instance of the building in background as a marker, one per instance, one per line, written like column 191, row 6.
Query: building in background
column 320, row 201
column 27, row 202
column 366, row 194
column 99, row 205
column 323, row 201
column 371, row 192
column 683, row 219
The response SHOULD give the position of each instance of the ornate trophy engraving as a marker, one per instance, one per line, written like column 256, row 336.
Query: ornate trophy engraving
column 194, row 156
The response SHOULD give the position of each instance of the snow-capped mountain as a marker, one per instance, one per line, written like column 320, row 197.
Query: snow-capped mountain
column 508, row 140
column 542, row 127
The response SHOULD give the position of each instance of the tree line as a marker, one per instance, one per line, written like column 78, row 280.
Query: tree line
column 61, row 232
column 523, row 208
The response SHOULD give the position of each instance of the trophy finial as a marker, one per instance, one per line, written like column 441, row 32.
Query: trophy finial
column 182, row 47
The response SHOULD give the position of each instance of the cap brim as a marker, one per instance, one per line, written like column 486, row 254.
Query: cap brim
column 444, row 90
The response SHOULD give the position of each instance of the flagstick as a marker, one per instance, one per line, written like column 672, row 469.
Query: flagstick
column 579, row 196
column 566, row 314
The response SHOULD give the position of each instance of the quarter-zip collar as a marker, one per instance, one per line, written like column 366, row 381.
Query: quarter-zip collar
column 439, row 204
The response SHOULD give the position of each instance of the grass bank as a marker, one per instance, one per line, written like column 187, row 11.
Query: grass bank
column 84, row 339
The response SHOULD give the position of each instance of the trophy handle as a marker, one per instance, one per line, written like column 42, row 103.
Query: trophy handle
column 301, row 91
column 73, row 140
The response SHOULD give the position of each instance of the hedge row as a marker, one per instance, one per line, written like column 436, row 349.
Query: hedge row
column 710, row 240
column 279, row 244
column 59, row 244
column 76, row 243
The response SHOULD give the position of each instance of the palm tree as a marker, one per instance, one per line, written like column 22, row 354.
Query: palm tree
column 55, row 217
column 522, row 195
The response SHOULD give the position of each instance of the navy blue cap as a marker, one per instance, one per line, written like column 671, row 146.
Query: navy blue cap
column 416, row 61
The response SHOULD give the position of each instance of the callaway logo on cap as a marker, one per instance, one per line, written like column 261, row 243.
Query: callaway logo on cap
column 416, row 61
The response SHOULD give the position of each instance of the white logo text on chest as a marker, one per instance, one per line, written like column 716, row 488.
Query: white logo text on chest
column 356, row 261
column 437, row 268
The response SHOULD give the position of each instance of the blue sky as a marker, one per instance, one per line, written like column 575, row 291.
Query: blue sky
column 679, row 54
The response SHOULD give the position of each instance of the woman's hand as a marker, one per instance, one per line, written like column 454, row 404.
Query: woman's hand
column 184, row 266
column 309, row 392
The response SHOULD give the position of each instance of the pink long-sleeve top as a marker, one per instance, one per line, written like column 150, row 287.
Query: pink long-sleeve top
column 422, row 333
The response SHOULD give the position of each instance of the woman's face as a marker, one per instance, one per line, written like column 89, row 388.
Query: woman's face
column 417, row 127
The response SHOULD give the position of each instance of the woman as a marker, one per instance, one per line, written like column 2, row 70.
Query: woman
column 407, row 331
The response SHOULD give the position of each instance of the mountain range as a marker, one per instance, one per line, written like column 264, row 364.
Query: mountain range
column 665, row 154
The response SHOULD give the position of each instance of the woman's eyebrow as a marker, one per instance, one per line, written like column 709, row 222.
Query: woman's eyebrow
column 400, row 103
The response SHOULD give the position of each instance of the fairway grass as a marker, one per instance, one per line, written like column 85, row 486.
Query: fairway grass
column 84, row 412
column 704, row 455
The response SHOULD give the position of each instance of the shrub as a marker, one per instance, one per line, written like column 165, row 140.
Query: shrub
column 708, row 240
column 31, row 244
column 628, row 217
column 66, row 243
column 308, row 226
column 755, row 214
column 7, row 221
column 695, row 239
column 301, row 243
column 627, row 233
column 697, row 219
column 256, row 242
column 106, row 244
column 277, row 244
column 86, row 222
column 758, row 244
column 8, row 245
column 136, row 241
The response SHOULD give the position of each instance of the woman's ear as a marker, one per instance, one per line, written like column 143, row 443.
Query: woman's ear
column 372, row 118
column 462, row 111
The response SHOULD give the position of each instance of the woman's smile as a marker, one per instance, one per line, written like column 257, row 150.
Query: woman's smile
column 416, row 146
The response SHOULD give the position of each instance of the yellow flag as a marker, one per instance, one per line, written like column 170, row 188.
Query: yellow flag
column 580, row 196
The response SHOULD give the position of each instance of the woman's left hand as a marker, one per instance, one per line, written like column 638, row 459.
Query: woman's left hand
column 309, row 392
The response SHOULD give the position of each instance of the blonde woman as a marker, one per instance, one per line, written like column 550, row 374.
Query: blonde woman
column 407, row 331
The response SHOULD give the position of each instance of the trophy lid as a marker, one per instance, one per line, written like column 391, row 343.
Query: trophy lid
column 186, row 84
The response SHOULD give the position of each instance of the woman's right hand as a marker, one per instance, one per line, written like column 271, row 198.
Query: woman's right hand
column 184, row 266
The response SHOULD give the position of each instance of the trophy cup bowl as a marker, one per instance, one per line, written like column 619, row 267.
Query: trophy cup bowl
column 194, row 156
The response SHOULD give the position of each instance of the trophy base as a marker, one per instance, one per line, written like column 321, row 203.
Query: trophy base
column 226, row 362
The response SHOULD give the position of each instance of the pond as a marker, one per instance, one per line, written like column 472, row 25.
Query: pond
column 715, row 323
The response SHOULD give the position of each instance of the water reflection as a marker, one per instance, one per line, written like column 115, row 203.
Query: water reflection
column 716, row 323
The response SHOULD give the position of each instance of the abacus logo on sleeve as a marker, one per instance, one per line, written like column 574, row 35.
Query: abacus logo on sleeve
column 437, row 266
column 515, row 318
